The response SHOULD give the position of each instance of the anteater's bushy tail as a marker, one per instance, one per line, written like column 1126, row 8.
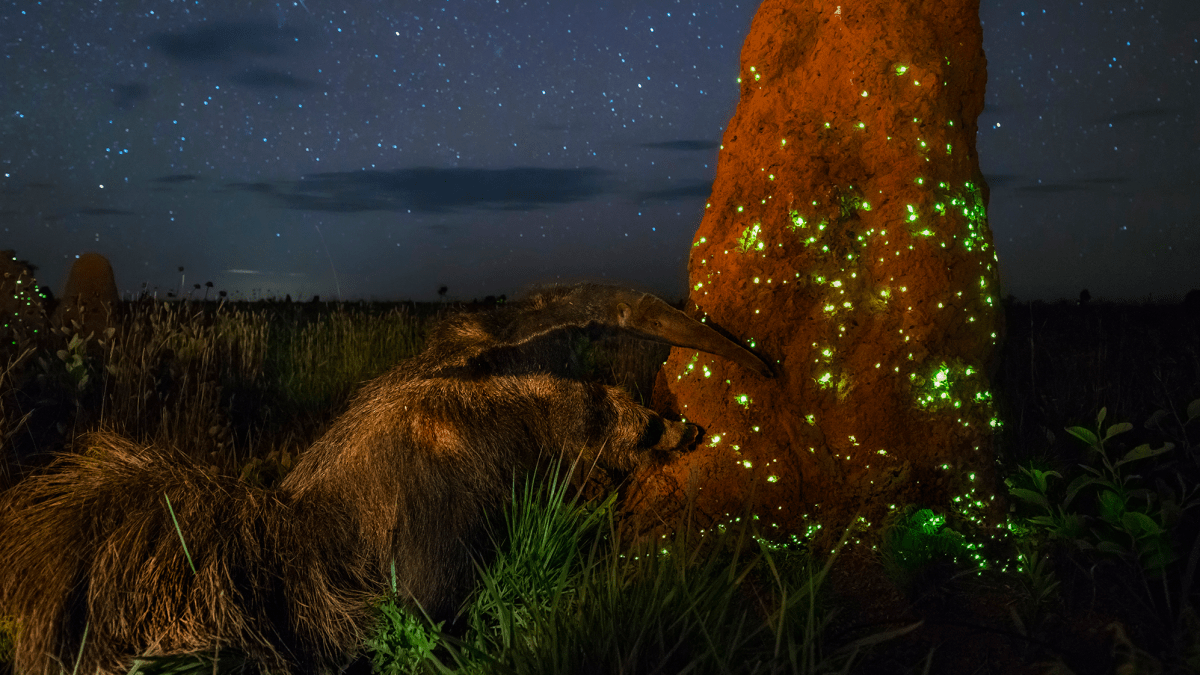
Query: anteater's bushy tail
column 90, row 554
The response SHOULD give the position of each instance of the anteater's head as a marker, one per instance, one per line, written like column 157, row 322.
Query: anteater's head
column 649, row 318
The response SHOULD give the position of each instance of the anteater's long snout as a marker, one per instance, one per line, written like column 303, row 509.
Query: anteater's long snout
column 658, row 320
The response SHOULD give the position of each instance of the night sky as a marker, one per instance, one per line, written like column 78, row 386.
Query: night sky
column 369, row 149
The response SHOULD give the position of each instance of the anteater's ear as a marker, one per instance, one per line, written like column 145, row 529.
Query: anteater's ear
column 624, row 311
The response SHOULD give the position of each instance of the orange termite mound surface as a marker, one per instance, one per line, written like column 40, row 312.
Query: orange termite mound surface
column 846, row 241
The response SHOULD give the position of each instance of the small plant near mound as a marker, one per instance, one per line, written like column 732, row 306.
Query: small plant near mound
column 922, row 554
column 1126, row 522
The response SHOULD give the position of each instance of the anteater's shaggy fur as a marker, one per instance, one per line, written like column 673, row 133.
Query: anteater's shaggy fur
column 407, row 476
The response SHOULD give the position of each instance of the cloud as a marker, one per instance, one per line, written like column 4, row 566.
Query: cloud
column 176, row 178
column 685, row 145
column 1138, row 115
column 105, row 212
column 433, row 190
column 1052, row 188
column 262, row 78
column 697, row 189
column 217, row 41
column 260, row 188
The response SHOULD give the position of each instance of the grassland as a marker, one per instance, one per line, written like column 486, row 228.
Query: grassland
column 1098, row 451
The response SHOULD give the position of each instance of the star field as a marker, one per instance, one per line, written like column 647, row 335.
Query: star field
column 379, row 150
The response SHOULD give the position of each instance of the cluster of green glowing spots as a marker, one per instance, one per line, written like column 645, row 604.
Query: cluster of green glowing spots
column 912, row 214
column 862, row 125
column 864, row 93
column 811, row 419
column 901, row 69
column 948, row 387
column 749, row 240
column 798, row 221
column 691, row 366
column 757, row 75
column 743, row 400
column 714, row 440
column 700, row 241
column 949, row 148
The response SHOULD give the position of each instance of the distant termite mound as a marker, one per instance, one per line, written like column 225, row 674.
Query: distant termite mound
column 90, row 295
column 846, row 240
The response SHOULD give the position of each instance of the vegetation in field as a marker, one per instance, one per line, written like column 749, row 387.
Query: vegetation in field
column 1100, row 455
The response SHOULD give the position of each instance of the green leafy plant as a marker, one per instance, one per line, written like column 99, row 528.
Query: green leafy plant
column 404, row 642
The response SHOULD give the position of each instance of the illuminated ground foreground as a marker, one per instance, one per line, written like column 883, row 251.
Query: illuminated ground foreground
column 846, row 240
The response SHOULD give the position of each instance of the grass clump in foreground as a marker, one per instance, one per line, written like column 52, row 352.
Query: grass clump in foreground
column 564, row 594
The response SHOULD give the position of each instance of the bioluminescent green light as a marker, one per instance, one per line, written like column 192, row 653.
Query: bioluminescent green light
column 901, row 69
column 743, row 399
column 749, row 239
column 864, row 93
column 862, row 125
column 746, row 463
column 772, row 479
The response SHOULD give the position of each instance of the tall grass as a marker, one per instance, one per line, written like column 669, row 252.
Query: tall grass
column 327, row 360
column 235, row 384
column 565, row 595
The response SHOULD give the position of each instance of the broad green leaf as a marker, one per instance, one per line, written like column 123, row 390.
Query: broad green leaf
column 1139, row 524
column 1156, row 419
column 1100, row 417
column 1110, row 547
column 1117, row 429
column 1030, row 496
column 1143, row 451
column 1084, row 435
column 1111, row 506
column 1193, row 410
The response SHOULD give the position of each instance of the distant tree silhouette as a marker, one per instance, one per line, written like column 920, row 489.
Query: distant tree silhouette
column 1084, row 297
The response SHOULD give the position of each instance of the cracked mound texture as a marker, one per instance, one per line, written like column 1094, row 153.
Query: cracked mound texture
column 846, row 241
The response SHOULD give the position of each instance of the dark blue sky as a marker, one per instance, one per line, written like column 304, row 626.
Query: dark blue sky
column 381, row 150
